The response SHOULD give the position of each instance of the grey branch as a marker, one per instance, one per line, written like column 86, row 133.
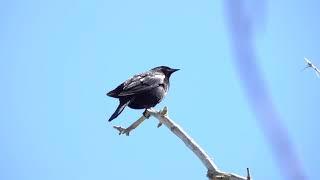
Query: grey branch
column 213, row 172
column 311, row 65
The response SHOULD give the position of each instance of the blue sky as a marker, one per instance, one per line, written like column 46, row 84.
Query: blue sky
column 59, row 58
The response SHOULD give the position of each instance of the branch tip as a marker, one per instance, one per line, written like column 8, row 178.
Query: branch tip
column 122, row 130
column 164, row 111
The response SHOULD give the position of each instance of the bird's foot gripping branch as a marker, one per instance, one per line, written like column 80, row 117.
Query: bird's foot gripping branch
column 213, row 173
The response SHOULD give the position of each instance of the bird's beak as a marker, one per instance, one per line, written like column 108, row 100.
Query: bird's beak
column 174, row 70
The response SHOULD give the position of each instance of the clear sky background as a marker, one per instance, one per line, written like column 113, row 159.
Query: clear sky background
column 59, row 58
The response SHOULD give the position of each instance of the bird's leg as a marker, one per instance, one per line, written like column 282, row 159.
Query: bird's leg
column 146, row 113
column 134, row 125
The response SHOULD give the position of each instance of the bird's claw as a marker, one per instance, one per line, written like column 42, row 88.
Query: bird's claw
column 146, row 114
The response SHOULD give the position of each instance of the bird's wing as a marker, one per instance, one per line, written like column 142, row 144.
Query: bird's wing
column 141, row 83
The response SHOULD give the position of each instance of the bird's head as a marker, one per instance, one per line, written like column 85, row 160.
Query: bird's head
column 165, row 70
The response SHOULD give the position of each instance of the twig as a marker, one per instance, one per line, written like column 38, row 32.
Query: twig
column 311, row 65
column 134, row 125
column 213, row 172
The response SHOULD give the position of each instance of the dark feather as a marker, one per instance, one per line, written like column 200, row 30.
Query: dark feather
column 120, row 108
column 142, row 83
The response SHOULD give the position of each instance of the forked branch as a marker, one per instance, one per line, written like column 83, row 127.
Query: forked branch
column 213, row 172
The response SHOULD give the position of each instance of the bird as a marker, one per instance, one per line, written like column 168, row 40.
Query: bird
column 142, row 91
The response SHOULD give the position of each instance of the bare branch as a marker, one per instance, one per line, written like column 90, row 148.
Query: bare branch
column 213, row 172
column 311, row 65
column 134, row 125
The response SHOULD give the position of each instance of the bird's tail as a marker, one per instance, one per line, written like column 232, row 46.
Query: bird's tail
column 120, row 108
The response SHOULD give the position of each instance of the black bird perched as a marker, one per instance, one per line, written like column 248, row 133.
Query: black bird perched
column 142, row 91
